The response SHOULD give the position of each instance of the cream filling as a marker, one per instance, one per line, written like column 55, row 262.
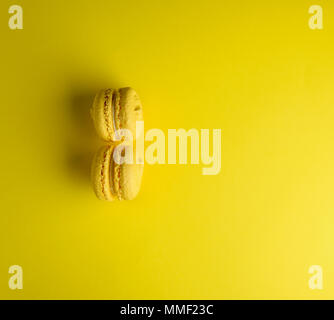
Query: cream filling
column 116, row 170
column 113, row 102
column 112, row 174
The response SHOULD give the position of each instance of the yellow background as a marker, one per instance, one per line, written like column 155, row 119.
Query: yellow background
column 252, row 68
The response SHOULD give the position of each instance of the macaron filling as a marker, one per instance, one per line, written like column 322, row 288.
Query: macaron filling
column 117, row 180
column 112, row 175
column 113, row 107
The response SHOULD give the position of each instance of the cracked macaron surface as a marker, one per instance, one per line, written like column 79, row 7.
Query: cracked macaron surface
column 115, row 109
column 100, row 174
column 113, row 181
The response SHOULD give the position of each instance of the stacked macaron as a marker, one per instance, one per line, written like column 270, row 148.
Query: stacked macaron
column 113, row 110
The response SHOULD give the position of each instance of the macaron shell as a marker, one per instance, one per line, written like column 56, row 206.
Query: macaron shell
column 130, row 110
column 130, row 177
column 100, row 174
column 102, row 114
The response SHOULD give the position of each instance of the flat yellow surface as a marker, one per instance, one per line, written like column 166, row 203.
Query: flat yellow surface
column 252, row 68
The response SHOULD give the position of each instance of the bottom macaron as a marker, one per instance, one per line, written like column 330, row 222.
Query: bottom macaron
column 112, row 180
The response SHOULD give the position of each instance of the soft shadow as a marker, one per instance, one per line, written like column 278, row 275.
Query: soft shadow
column 82, row 140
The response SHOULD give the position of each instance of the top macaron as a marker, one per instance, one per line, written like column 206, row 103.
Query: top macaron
column 115, row 109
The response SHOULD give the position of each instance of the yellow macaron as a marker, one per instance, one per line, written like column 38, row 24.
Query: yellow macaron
column 115, row 109
column 112, row 180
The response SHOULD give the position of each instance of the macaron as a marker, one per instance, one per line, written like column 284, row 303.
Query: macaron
column 112, row 180
column 115, row 109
